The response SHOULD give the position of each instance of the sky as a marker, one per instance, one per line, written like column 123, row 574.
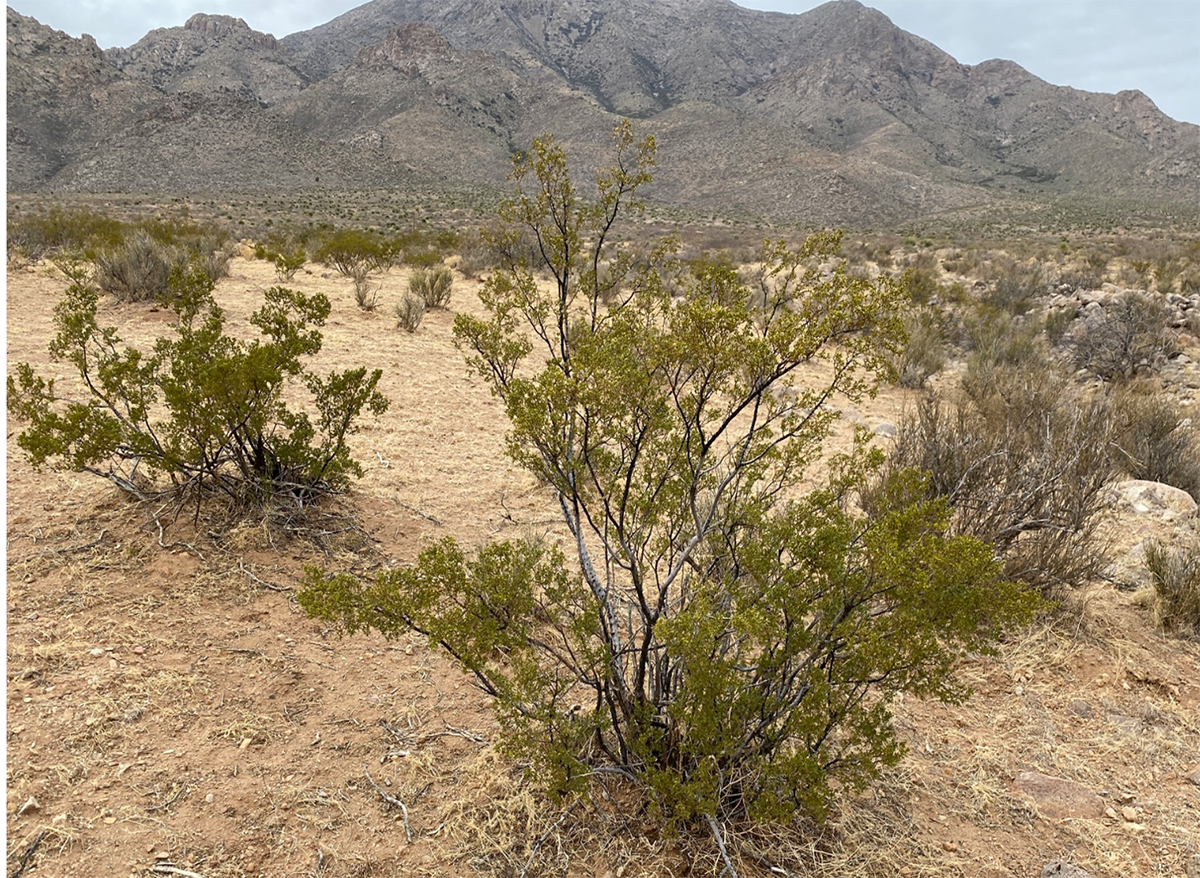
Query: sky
column 1094, row 45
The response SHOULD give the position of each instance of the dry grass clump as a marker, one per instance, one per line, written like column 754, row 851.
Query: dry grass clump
column 1175, row 572
column 432, row 285
column 410, row 311
column 1155, row 438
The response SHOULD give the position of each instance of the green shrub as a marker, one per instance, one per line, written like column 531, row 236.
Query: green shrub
column 351, row 250
column 287, row 264
column 1012, row 284
column 432, row 285
column 728, row 645
column 138, row 269
column 1175, row 572
column 204, row 410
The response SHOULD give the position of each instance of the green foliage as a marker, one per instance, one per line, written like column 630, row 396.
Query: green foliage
column 725, row 640
column 432, row 285
column 202, row 409
column 352, row 251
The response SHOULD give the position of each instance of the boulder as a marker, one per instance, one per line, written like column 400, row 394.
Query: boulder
column 1154, row 499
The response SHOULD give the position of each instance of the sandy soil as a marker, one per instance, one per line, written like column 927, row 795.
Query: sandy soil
column 170, row 710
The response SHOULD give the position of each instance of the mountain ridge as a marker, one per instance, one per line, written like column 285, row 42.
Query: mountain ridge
column 835, row 115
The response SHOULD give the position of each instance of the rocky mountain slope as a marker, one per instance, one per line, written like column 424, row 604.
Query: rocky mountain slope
column 835, row 115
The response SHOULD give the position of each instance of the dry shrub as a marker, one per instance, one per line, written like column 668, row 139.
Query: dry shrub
column 1023, row 460
column 137, row 270
column 432, row 285
column 1127, row 337
column 1155, row 440
column 924, row 354
column 1175, row 572
column 410, row 311
column 1013, row 284
column 366, row 294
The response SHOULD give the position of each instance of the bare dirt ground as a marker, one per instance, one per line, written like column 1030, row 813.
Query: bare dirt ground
column 171, row 711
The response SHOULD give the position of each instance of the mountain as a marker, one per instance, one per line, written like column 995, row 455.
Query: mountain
column 832, row 116
column 212, row 53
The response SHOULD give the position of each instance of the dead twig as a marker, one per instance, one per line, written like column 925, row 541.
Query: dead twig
column 66, row 550
column 171, row 801
column 33, row 846
column 168, row 869
column 719, row 838
column 178, row 543
column 391, row 800
column 263, row 582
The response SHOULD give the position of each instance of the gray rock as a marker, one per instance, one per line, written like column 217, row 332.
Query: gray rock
column 886, row 428
column 1153, row 499
column 1194, row 777
column 1079, row 707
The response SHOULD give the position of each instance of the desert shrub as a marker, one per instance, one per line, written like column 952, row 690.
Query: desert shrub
column 475, row 256
column 205, row 411
column 1166, row 272
column 366, row 292
column 728, row 644
column 1022, row 459
column 924, row 352
column 1175, row 572
column 138, row 269
column 1080, row 280
column 432, row 285
column 410, row 311
column 1127, row 337
column 998, row 343
column 1012, row 284
column 288, row 263
column 922, row 285
column 351, row 250
column 1155, row 439
column 59, row 232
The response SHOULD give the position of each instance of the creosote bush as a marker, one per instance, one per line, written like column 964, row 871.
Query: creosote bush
column 727, row 642
column 202, row 410
column 432, row 285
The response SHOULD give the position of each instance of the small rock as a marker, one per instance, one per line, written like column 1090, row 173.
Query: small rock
column 886, row 428
column 1110, row 813
column 209, row 798
column 96, row 652
column 1129, row 813
column 950, row 847
column 1079, row 707
column 246, row 742
column 139, row 650
column 1059, row 869
column 31, row 804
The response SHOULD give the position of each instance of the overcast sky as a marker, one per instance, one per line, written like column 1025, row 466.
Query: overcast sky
column 1095, row 45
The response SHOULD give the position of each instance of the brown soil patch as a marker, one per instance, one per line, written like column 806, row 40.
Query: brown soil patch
column 170, row 707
